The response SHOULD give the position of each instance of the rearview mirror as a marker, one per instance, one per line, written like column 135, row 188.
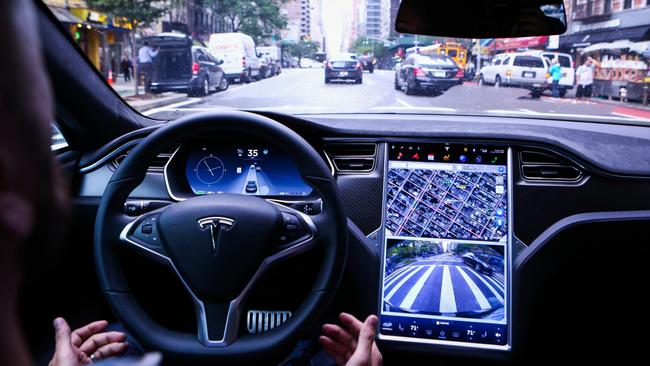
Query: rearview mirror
column 220, row 62
column 481, row 18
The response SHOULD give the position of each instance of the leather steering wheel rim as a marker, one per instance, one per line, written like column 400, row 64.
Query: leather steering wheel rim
column 111, row 221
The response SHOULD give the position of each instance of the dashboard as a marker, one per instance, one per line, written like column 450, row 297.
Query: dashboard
column 552, row 177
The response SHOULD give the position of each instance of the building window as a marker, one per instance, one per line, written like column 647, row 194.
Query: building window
column 627, row 4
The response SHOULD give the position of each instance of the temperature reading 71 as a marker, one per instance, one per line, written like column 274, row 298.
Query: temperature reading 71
column 253, row 153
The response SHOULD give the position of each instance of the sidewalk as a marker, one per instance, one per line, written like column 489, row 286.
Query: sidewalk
column 635, row 105
column 123, row 88
column 141, row 104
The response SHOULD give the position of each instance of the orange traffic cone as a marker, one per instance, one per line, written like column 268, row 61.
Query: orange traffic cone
column 110, row 77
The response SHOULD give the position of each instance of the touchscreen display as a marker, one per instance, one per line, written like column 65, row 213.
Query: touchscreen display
column 250, row 169
column 446, row 245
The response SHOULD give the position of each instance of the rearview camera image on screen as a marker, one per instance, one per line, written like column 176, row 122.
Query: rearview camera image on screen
column 452, row 279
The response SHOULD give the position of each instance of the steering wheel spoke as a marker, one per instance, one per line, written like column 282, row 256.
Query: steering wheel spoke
column 142, row 235
column 298, row 233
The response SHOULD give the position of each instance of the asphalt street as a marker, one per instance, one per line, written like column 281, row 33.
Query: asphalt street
column 443, row 284
column 303, row 91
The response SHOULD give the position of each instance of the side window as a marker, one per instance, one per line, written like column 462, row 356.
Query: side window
column 58, row 141
column 564, row 61
column 505, row 62
column 497, row 62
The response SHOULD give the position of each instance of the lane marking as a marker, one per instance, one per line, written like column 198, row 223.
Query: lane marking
column 400, row 284
column 409, row 299
column 478, row 294
column 447, row 299
column 495, row 283
column 492, row 289
column 395, row 273
column 401, row 275
column 404, row 103
column 171, row 106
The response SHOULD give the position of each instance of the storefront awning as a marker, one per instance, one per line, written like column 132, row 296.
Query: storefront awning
column 64, row 16
column 638, row 47
column 503, row 44
column 586, row 39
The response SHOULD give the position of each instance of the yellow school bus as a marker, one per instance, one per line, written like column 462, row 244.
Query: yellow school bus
column 455, row 51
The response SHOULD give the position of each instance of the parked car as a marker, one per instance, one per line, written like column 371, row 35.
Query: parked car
column 475, row 262
column 185, row 68
column 307, row 63
column 265, row 71
column 524, row 70
column 368, row 62
column 343, row 67
column 568, row 80
column 274, row 55
column 237, row 50
column 433, row 74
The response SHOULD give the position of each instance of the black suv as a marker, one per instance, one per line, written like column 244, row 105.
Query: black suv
column 433, row 74
column 185, row 68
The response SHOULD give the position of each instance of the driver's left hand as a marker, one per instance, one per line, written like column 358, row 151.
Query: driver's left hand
column 86, row 344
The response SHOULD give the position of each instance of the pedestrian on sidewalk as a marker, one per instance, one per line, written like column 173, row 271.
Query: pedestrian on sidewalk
column 585, row 79
column 127, row 68
column 146, row 55
column 556, row 74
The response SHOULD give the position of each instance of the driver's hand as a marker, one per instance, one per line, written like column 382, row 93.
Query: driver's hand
column 353, row 344
column 86, row 344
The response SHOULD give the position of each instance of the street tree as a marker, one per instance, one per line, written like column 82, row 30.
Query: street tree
column 363, row 45
column 137, row 13
column 259, row 19
column 299, row 49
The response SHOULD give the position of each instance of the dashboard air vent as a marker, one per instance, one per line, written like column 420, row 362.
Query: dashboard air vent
column 157, row 164
column 352, row 157
column 545, row 165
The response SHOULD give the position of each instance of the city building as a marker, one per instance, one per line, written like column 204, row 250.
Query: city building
column 103, row 39
column 394, row 8
column 304, row 20
column 615, row 33
column 292, row 11
column 596, row 21
column 190, row 17
column 316, row 32
column 378, row 18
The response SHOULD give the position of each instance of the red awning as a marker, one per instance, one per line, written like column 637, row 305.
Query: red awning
column 503, row 44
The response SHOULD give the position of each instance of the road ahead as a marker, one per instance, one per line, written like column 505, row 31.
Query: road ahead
column 304, row 91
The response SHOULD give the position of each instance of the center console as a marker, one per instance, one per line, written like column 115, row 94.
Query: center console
column 446, row 245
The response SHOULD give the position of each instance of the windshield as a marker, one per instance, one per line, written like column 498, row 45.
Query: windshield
column 172, row 58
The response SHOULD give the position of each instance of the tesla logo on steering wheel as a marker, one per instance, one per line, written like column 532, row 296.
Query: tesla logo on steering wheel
column 217, row 226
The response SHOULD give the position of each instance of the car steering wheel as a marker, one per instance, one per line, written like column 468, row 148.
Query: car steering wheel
column 219, row 245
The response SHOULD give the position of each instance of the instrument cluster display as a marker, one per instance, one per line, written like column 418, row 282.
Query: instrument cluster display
column 243, row 169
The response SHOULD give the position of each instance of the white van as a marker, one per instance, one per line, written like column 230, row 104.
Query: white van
column 237, row 50
column 523, row 70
